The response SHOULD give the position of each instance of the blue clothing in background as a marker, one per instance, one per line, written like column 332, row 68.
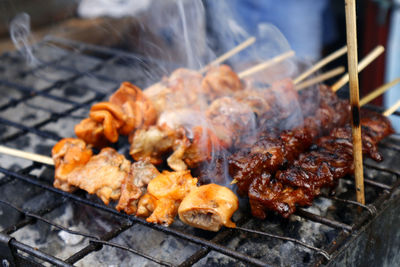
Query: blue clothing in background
column 393, row 63
column 300, row 21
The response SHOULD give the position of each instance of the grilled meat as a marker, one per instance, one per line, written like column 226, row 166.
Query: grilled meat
column 330, row 159
column 128, row 109
column 135, row 184
column 272, row 150
column 209, row 207
column 102, row 175
column 168, row 189
column 221, row 81
column 68, row 154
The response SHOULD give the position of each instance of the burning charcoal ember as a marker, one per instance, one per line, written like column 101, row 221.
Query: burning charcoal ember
column 209, row 207
column 168, row 190
column 128, row 109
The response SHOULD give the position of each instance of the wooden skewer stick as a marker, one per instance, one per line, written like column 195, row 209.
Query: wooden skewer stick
column 26, row 155
column 363, row 63
column 351, row 36
column 229, row 54
column 266, row 64
column 320, row 78
column 380, row 90
column 321, row 64
column 392, row 109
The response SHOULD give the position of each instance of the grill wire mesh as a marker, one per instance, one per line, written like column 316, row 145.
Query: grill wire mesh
column 48, row 227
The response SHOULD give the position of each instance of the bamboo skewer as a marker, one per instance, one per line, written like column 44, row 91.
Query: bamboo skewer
column 266, row 64
column 229, row 54
column 26, row 155
column 321, row 64
column 351, row 36
column 380, row 90
column 392, row 109
column 320, row 78
column 363, row 63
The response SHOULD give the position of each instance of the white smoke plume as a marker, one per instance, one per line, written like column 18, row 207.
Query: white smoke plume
column 20, row 33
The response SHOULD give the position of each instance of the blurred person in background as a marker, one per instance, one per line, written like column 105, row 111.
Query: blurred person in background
column 393, row 61
column 307, row 24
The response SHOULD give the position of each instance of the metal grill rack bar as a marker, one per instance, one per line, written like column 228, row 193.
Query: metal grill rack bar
column 205, row 243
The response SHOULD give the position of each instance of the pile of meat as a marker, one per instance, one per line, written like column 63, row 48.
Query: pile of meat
column 279, row 147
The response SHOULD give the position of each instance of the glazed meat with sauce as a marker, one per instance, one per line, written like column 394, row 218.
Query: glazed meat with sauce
column 209, row 207
column 273, row 150
column 330, row 159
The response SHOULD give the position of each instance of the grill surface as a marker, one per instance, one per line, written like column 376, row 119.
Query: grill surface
column 41, row 225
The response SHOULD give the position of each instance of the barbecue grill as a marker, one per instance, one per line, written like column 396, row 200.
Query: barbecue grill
column 42, row 226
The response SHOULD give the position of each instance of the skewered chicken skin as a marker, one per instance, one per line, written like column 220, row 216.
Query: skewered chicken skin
column 128, row 109
column 102, row 175
column 168, row 189
column 68, row 154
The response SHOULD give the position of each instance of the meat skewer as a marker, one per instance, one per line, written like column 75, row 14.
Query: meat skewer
column 139, row 188
column 330, row 159
column 271, row 152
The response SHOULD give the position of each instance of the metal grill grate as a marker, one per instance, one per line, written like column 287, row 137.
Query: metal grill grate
column 41, row 104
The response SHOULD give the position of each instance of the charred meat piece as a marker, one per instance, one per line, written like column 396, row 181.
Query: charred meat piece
column 209, row 207
column 290, row 143
column 135, row 184
column 266, row 194
column 68, row 154
column 329, row 160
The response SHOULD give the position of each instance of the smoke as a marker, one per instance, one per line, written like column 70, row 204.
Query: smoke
column 20, row 33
